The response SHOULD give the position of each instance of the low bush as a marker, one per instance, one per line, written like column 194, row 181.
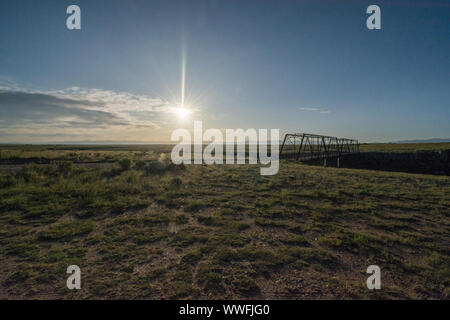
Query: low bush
column 125, row 164
column 155, row 167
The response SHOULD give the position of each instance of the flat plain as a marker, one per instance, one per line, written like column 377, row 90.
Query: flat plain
column 140, row 227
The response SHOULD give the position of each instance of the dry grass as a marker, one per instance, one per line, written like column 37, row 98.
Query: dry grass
column 222, row 232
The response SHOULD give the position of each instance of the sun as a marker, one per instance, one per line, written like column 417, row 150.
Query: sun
column 182, row 112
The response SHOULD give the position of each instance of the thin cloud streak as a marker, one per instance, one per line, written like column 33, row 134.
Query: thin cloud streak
column 314, row 109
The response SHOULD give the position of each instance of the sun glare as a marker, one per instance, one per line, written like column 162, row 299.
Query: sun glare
column 182, row 112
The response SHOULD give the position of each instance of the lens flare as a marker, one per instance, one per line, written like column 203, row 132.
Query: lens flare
column 182, row 112
column 183, row 74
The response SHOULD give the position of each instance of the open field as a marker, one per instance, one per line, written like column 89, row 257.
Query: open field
column 149, row 229
column 80, row 153
column 47, row 153
column 404, row 147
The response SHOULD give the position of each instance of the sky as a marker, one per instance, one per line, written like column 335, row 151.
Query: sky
column 298, row 66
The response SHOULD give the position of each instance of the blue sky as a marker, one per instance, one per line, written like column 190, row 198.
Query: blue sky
column 300, row 66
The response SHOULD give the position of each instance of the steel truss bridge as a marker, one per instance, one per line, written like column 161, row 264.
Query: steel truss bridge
column 306, row 146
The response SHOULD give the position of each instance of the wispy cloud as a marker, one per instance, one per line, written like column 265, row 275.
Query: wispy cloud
column 314, row 109
column 27, row 113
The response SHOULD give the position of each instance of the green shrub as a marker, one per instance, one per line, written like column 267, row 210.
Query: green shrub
column 284, row 196
column 24, row 250
column 30, row 173
column 66, row 230
column 140, row 165
column 246, row 285
column 295, row 239
column 22, row 273
column 210, row 278
column 7, row 181
column 210, row 220
column 176, row 182
column 155, row 167
column 192, row 258
column 180, row 289
column 194, row 205
column 125, row 164
column 65, row 168
column 175, row 167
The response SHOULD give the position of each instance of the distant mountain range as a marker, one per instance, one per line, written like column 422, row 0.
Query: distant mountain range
column 433, row 140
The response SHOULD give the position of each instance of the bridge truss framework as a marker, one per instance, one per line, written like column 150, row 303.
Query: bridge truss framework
column 306, row 146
